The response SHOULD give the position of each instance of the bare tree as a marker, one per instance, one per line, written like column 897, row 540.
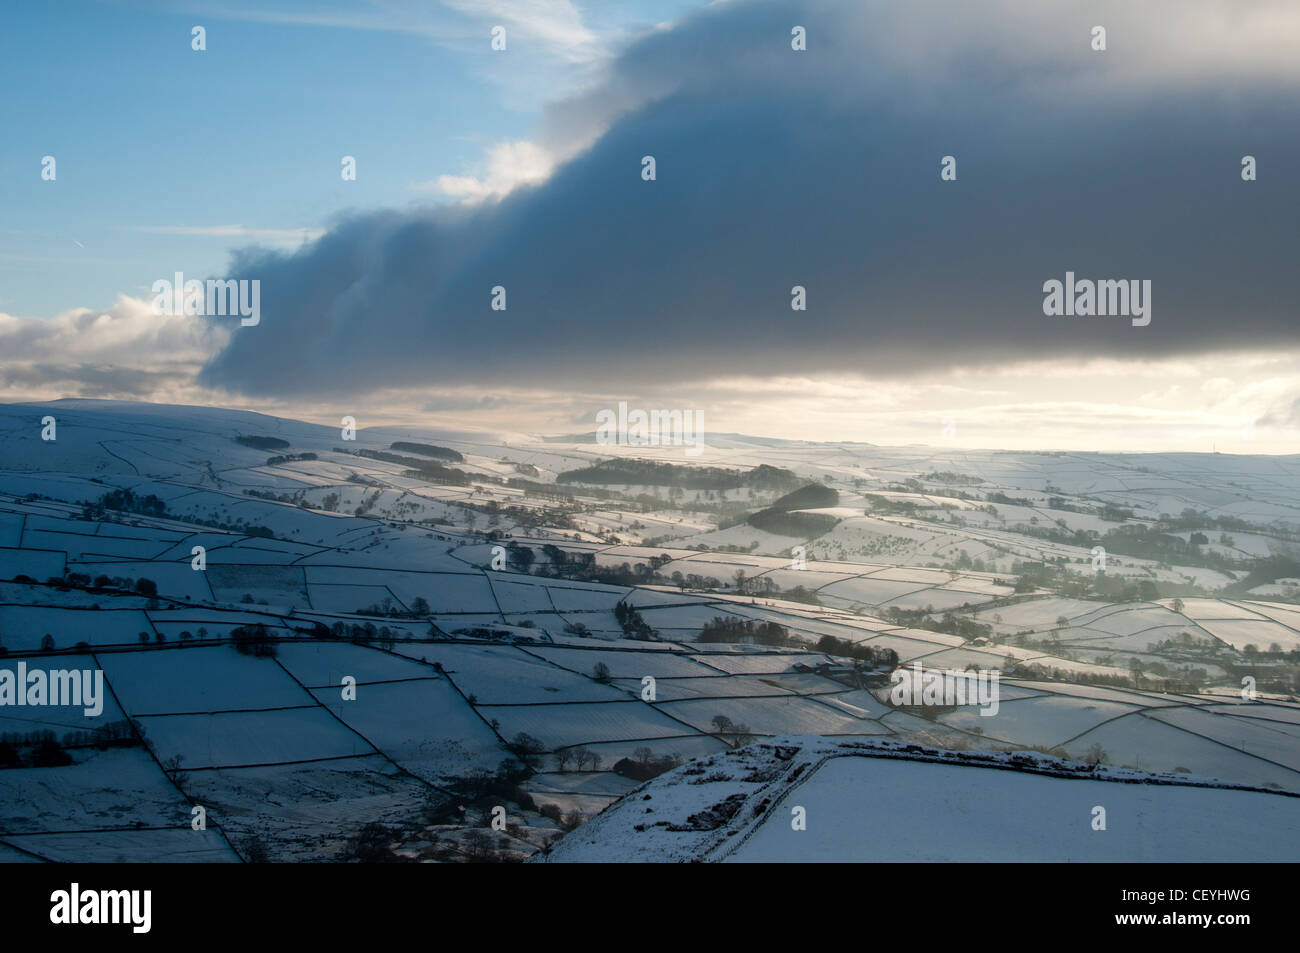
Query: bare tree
column 735, row 734
column 527, row 749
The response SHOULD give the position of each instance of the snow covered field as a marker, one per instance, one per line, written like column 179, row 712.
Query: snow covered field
column 804, row 800
column 358, row 572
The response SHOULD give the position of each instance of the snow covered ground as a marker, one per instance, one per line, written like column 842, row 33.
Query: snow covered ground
column 358, row 570
column 803, row 800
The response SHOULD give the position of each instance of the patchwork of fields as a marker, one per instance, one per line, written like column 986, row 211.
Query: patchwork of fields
column 361, row 646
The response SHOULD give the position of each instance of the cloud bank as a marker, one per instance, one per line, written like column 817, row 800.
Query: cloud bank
column 126, row 352
column 821, row 169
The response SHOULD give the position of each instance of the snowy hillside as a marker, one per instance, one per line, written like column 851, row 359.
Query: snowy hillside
column 800, row 799
column 509, row 640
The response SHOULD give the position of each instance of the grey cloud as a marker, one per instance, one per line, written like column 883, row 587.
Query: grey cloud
column 95, row 380
column 822, row 169
column 452, row 402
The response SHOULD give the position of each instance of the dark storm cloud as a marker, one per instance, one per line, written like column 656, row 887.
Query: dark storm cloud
column 821, row 169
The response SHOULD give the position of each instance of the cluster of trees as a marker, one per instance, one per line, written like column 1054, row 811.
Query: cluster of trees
column 952, row 478
column 1137, row 540
column 527, row 749
column 363, row 633
column 45, row 753
column 297, row 498
column 1187, row 644
column 290, row 458
column 481, row 632
column 263, row 443
column 694, row 580
column 809, row 497
column 389, row 609
column 81, row 580
column 554, row 812
column 766, row 586
column 253, row 640
column 1265, row 570
column 1151, row 543
column 736, row 734
column 551, row 491
column 645, row 764
column 373, row 844
column 581, row 758
column 781, row 519
column 123, row 501
column 1193, row 519
column 1108, row 587
column 723, row 629
column 376, row 843
column 885, row 506
column 522, row 516
column 634, row 626
column 582, row 567
column 483, row 788
column 798, row 525
column 1185, row 680
column 520, row 558
column 428, row 450
column 874, row 656
column 419, row 469
column 949, row 623
column 621, row 575
column 43, row 749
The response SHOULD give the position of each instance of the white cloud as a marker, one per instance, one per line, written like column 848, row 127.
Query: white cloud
column 124, row 351
column 508, row 165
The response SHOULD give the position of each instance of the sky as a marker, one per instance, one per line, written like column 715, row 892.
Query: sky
column 522, row 169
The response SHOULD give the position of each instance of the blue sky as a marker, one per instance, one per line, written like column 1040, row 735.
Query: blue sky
column 150, row 135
